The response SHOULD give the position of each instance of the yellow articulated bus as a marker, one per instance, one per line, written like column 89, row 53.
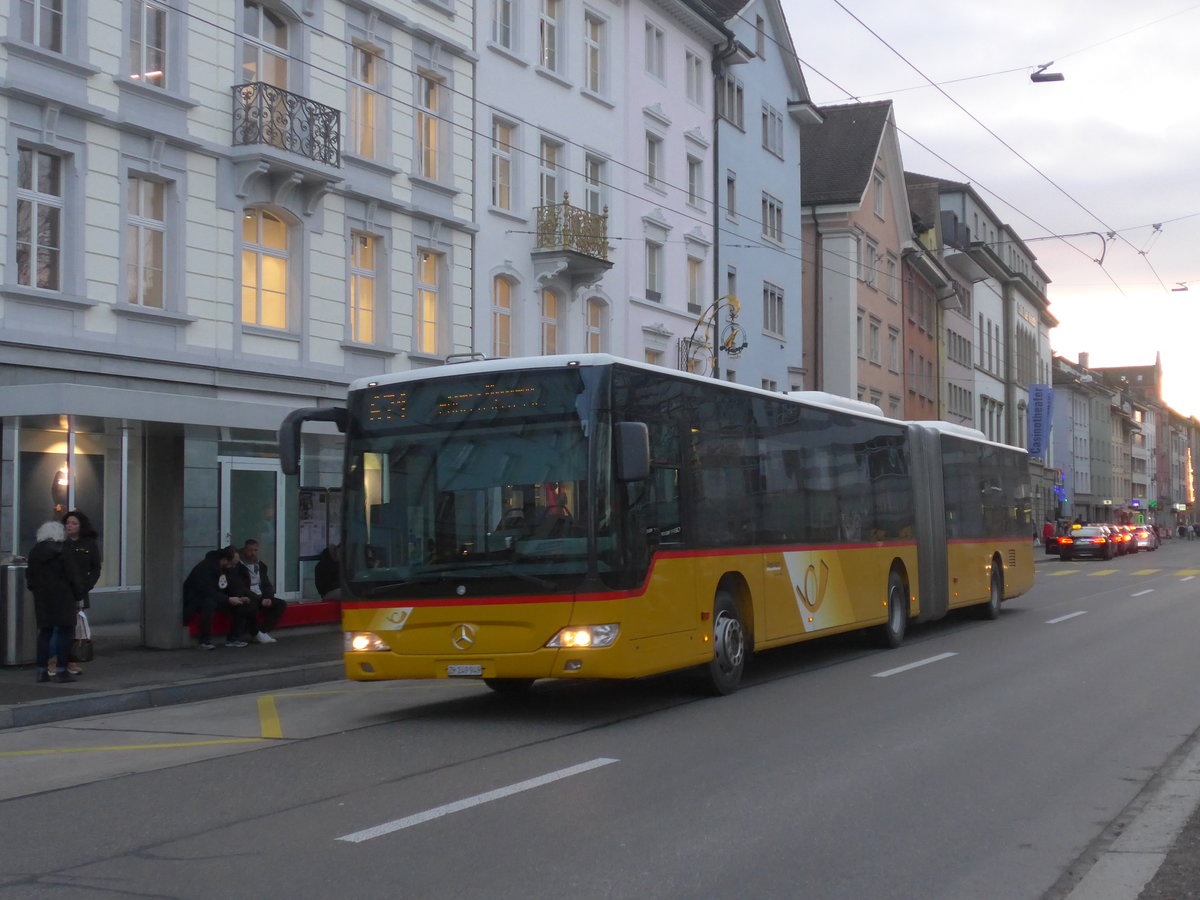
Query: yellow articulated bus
column 592, row 517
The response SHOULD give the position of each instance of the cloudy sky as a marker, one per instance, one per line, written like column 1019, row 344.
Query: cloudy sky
column 1114, row 148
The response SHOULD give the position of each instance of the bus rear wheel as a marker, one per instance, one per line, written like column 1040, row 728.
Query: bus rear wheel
column 724, row 672
column 891, row 633
column 509, row 685
column 991, row 609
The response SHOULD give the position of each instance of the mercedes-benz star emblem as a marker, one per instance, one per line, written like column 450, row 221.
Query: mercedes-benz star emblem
column 464, row 637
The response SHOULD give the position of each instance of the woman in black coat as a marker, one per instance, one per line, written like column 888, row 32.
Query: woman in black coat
column 56, row 584
column 81, row 544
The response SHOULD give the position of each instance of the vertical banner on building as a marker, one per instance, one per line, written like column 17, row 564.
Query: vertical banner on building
column 1041, row 415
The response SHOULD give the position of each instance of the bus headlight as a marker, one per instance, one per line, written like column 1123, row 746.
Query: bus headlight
column 585, row 636
column 363, row 642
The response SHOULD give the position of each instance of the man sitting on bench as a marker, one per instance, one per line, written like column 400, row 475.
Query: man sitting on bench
column 209, row 587
column 250, row 579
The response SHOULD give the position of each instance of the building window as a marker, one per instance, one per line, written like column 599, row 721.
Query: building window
column 428, row 126
column 731, row 101
column 428, row 297
column 772, row 130
column 42, row 24
column 595, row 325
column 760, row 37
column 731, row 194
column 870, row 260
column 874, row 343
column 264, row 46
column 148, row 43
column 502, row 23
column 655, row 50
column 890, row 286
column 39, row 219
column 772, row 218
column 772, row 308
column 731, row 282
column 893, row 350
column 549, row 323
column 364, row 101
column 654, row 253
column 693, row 76
column 859, row 336
column 653, row 159
column 877, row 183
column 502, row 164
column 594, row 50
column 548, row 172
column 502, row 309
column 695, row 284
column 593, row 185
column 548, row 34
column 653, row 357
column 364, row 250
column 145, row 235
column 264, row 269
column 695, row 176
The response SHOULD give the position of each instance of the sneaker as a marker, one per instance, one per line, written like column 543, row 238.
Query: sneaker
column 74, row 669
column 205, row 645
column 263, row 638
column 62, row 677
column 236, row 644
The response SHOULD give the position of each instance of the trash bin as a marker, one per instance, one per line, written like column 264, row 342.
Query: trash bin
column 18, row 629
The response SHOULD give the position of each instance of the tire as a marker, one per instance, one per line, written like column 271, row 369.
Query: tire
column 991, row 609
column 723, row 673
column 890, row 634
column 509, row 686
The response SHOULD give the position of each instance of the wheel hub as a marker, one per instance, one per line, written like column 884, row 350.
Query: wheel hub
column 730, row 646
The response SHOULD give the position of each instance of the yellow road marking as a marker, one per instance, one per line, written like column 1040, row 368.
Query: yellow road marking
column 1062, row 572
column 1189, row 571
column 1147, row 571
column 132, row 747
column 268, row 717
column 1102, row 572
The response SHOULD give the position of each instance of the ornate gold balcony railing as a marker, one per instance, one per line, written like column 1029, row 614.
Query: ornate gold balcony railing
column 561, row 226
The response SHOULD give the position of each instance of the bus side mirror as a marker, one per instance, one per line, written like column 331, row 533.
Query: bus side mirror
column 633, row 451
column 289, row 432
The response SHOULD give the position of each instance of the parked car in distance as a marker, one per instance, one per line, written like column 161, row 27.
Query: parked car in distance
column 1088, row 540
column 1129, row 535
column 1146, row 537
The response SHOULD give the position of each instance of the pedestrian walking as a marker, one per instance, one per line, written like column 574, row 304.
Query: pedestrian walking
column 55, row 581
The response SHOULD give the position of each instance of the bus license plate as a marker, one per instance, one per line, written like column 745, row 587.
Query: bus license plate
column 472, row 670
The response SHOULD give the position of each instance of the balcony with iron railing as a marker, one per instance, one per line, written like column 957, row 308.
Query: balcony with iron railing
column 572, row 244
column 270, row 116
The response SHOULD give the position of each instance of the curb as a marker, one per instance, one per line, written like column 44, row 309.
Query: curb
column 41, row 712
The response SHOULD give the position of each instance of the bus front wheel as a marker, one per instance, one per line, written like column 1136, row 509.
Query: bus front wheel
column 891, row 632
column 724, row 671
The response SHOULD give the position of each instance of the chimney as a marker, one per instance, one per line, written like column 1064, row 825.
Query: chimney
column 1083, row 360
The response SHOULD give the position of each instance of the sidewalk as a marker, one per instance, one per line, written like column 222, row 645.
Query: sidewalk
column 125, row 675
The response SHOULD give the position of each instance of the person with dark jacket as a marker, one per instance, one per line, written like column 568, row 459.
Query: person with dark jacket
column 56, row 583
column 328, row 573
column 250, row 579
column 81, row 544
column 207, row 589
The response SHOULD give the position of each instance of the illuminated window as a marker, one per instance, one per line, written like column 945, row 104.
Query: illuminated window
column 595, row 325
column 364, row 102
column 364, row 249
column 264, row 45
column 502, row 309
column 264, row 269
column 427, row 297
column 145, row 233
column 148, row 44
column 549, row 323
column 428, row 126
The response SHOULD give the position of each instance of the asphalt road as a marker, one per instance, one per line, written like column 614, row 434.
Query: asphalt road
column 980, row 760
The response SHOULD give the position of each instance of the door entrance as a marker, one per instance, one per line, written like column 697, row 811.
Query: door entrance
column 252, row 506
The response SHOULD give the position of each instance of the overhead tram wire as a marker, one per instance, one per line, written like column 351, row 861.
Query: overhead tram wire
column 986, row 128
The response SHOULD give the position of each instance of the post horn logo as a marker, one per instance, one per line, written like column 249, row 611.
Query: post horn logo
column 812, row 591
column 463, row 637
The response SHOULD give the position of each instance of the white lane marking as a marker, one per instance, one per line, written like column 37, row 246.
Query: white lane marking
column 914, row 665
column 458, row 806
column 1189, row 578
column 1141, row 593
column 1082, row 612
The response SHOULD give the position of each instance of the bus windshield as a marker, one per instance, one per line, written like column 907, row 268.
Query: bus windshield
column 470, row 481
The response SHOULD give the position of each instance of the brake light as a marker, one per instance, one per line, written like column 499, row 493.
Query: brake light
column 1066, row 540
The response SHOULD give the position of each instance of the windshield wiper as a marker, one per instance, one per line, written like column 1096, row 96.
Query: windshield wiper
column 452, row 575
